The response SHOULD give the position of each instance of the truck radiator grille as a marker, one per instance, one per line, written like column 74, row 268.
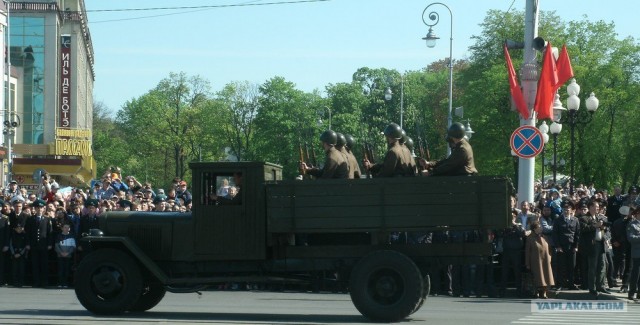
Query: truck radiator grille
column 149, row 239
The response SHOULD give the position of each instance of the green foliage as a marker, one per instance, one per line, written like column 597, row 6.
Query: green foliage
column 179, row 121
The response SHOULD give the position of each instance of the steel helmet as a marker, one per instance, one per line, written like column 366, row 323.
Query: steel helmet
column 456, row 131
column 403, row 138
column 329, row 137
column 351, row 141
column 341, row 140
column 393, row 131
column 409, row 143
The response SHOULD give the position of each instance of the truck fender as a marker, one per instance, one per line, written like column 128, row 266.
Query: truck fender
column 128, row 246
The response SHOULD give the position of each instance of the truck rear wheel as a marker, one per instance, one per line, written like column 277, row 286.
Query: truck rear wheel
column 108, row 281
column 386, row 286
column 152, row 294
column 426, row 288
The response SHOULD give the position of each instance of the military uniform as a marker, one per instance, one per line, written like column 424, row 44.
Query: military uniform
column 40, row 238
column 354, row 168
column 395, row 163
column 335, row 166
column 459, row 163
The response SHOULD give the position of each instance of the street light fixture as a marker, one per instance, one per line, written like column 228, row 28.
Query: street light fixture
column 468, row 131
column 430, row 41
column 575, row 118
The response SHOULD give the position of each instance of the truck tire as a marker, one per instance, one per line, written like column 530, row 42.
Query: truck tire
column 386, row 286
column 152, row 294
column 426, row 288
column 108, row 282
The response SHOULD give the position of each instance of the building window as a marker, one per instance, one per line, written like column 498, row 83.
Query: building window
column 28, row 53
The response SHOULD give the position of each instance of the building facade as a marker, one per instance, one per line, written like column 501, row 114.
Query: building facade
column 51, row 52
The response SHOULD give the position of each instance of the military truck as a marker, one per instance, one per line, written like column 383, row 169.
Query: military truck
column 289, row 231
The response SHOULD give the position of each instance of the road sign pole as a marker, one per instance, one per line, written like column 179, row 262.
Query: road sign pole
column 529, row 80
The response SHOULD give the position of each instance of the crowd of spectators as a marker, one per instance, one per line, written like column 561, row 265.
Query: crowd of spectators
column 588, row 240
column 39, row 230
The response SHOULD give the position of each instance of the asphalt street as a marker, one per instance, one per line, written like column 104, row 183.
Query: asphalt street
column 54, row 306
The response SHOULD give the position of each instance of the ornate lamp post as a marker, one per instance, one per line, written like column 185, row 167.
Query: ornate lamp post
column 388, row 94
column 555, row 129
column 430, row 40
column 544, row 129
column 576, row 117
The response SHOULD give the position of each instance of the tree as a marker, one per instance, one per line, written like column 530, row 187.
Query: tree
column 240, row 104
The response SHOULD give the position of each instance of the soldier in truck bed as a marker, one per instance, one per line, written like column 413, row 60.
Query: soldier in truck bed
column 354, row 168
column 460, row 162
column 395, row 161
column 335, row 165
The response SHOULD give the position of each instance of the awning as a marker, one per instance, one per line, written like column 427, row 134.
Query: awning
column 74, row 172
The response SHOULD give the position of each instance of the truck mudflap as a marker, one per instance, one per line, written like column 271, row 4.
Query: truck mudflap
column 127, row 245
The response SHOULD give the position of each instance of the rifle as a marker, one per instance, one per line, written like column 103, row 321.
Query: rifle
column 306, row 150
column 313, row 156
column 369, row 149
column 302, row 171
column 366, row 157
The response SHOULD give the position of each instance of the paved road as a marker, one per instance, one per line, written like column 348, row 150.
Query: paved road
column 52, row 306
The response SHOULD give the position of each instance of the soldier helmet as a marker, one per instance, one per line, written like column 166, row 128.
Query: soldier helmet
column 351, row 141
column 409, row 143
column 456, row 131
column 403, row 138
column 329, row 137
column 393, row 131
column 341, row 140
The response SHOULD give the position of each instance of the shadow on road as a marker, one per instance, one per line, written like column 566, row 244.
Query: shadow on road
column 195, row 316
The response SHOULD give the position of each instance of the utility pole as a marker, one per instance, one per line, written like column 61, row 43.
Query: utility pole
column 529, row 81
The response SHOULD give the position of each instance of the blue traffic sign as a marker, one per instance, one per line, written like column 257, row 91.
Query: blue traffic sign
column 527, row 141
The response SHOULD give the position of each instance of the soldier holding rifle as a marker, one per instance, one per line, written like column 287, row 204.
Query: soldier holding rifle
column 395, row 161
column 354, row 168
column 335, row 166
column 459, row 163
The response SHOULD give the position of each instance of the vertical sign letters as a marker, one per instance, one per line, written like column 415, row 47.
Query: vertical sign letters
column 64, row 111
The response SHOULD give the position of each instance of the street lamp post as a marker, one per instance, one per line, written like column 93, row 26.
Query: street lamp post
column 544, row 129
column 555, row 129
column 576, row 117
column 430, row 40
column 388, row 95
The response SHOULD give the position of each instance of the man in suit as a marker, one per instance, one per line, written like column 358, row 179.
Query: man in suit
column 566, row 235
column 40, row 239
column 592, row 245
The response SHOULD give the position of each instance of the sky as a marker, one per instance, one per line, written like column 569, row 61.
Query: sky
column 311, row 44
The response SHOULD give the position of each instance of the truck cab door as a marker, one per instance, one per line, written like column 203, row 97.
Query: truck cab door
column 224, row 223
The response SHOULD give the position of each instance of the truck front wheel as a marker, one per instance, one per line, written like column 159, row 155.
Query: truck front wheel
column 108, row 281
column 152, row 294
column 386, row 286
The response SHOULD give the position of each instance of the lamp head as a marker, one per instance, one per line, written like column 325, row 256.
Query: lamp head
column 431, row 38
column 388, row 94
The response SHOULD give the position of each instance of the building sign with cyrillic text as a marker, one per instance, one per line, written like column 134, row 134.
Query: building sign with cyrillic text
column 73, row 142
column 64, row 111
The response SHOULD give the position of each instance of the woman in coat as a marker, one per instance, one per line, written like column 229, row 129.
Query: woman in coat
column 633, row 237
column 538, row 260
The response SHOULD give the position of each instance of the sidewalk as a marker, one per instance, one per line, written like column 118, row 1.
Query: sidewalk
column 585, row 295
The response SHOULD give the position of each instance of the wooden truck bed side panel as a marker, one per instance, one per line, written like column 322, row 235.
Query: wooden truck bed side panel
column 387, row 204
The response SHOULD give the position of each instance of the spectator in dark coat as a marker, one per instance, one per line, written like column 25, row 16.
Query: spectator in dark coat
column 566, row 235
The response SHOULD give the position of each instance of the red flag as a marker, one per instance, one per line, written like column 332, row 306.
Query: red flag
column 565, row 71
column 546, row 86
column 516, row 92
